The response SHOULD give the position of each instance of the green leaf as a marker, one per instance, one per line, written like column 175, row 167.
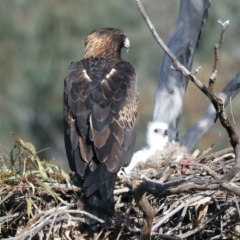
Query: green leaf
column 41, row 170
column 49, row 169
column 47, row 188
column 28, row 146
column 64, row 174
column 32, row 186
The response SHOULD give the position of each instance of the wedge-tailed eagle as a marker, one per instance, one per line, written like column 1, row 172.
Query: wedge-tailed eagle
column 100, row 118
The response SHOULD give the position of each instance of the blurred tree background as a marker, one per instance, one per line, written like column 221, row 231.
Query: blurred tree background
column 39, row 39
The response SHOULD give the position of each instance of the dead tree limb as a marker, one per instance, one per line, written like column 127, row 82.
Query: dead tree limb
column 213, row 76
column 202, row 126
column 171, row 87
column 144, row 205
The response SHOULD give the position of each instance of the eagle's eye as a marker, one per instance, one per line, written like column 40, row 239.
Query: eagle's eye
column 155, row 130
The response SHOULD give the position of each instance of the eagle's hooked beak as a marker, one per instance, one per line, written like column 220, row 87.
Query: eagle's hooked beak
column 126, row 43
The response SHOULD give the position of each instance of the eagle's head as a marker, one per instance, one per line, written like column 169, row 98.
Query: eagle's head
column 157, row 135
column 106, row 43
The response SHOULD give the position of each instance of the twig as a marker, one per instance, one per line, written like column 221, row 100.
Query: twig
column 8, row 217
column 220, row 218
column 38, row 217
column 231, row 111
column 63, row 186
column 176, row 64
column 182, row 205
column 213, row 76
column 214, row 155
column 48, row 219
column 121, row 191
column 179, row 226
column 201, row 226
column 210, row 148
column 125, row 220
column 205, row 167
column 53, row 222
column 168, row 174
column 166, row 236
column 99, row 235
column 237, row 205
column 197, row 70
column 222, row 157
column 33, row 231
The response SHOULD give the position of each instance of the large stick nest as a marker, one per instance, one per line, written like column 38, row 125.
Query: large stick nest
column 186, row 198
column 173, row 195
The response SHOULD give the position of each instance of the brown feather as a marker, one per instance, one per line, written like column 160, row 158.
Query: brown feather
column 112, row 161
column 80, row 166
column 118, row 132
column 85, row 150
column 101, row 118
column 99, row 138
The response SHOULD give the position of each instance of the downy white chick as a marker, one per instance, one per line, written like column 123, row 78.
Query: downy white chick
column 157, row 139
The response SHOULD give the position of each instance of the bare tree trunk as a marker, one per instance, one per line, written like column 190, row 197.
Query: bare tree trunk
column 172, row 85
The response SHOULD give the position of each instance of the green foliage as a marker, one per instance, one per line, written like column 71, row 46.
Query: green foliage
column 24, row 180
column 23, row 166
column 39, row 39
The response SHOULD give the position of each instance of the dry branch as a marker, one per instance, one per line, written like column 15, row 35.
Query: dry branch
column 144, row 205
column 172, row 85
column 198, row 129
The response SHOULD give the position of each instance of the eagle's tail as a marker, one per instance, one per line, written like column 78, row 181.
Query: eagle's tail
column 98, row 198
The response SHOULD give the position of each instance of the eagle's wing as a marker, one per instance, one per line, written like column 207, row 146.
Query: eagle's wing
column 100, row 115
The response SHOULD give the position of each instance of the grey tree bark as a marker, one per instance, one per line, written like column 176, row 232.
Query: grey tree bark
column 172, row 85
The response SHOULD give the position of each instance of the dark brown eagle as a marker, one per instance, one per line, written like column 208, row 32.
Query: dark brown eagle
column 100, row 118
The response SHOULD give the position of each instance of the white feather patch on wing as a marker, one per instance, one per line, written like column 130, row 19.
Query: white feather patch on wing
column 108, row 76
column 111, row 73
column 86, row 75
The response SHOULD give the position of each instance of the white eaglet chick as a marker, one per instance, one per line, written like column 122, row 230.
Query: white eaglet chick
column 157, row 139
